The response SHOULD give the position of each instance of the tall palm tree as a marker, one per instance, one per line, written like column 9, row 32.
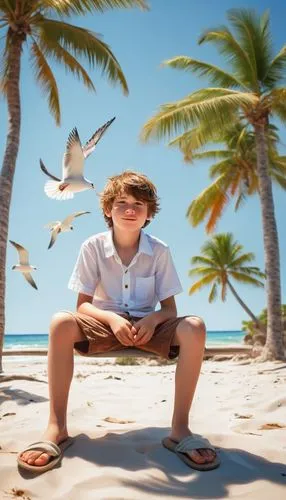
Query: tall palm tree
column 235, row 172
column 222, row 260
column 253, row 89
column 39, row 27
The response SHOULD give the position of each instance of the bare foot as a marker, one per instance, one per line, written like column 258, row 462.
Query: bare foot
column 201, row 455
column 54, row 434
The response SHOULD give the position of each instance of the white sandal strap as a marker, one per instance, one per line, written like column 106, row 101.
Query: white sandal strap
column 45, row 446
column 190, row 443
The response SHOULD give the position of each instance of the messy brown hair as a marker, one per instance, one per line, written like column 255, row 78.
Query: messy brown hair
column 133, row 183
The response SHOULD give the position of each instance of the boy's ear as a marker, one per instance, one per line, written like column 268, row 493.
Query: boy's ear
column 107, row 212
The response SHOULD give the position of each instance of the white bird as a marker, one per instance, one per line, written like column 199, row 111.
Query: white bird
column 62, row 227
column 24, row 267
column 73, row 180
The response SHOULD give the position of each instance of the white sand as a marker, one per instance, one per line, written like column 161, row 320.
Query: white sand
column 124, row 459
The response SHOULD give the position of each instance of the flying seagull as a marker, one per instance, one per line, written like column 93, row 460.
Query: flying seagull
column 62, row 227
column 24, row 267
column 73, row 180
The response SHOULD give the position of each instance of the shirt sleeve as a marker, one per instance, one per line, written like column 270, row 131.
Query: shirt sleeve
column 167, row 281
column 85, row 275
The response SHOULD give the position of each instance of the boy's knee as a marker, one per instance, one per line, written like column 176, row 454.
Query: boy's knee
column 62, row 320
column 81, row 308
column 193, row 326
column 196, row 324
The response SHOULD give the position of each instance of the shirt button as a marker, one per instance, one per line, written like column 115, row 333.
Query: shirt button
column 126, row 305
column 126, row 286
column 126, row 271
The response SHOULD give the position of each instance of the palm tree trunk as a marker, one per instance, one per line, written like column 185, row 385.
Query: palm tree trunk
column 274, row 341
column 9, row 164
column 247, row 310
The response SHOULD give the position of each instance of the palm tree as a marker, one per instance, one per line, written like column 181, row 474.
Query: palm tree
column 235, row 172
column 221, row 260
column 251, row 89
column 39, row 26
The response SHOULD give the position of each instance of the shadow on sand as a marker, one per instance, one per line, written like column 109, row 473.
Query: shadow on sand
column 141, row 449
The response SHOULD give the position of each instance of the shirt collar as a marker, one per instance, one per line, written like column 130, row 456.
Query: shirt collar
column 144, row 245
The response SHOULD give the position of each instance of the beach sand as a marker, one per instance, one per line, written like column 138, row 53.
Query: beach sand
column 119, row 414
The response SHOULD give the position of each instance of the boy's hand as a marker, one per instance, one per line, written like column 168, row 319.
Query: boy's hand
column 145, row 328
column 123, row 330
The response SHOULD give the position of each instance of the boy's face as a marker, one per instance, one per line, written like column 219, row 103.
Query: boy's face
column 128, row 213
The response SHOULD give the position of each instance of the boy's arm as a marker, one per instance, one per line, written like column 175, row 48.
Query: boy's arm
column 168, row 310
column 84, row 306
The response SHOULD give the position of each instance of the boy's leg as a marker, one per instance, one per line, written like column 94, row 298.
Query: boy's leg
column 64, row 332
column 190, row 336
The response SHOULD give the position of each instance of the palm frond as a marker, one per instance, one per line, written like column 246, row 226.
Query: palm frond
column 279, row 179
column 253, row 271
column 213, row 293
column 234, row 53
column 203, row 271
column 5, row 60
column 46, row 79
column 213, row 106
column 211, row 200
column 244, row 278
column 193, row 140
column 70, row 7
column 214, row 154
column 278, row 105
column 83, row 43
column 276, row 70
column 206, row 280
column 241, row 198
column 62, row 56
column 254, row 36
column 200, row 259
column 221, row 168
column 242, row 259
column 215, row 75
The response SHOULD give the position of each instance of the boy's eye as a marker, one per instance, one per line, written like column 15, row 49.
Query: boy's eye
column 139, row 203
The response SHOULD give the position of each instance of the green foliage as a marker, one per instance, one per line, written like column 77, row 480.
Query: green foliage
column 47, row 38
column 222, row 259
column 251, row 84
column 234, row 172
column 249, row 326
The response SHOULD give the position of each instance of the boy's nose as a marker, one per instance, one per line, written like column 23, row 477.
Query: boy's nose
column 130, row 210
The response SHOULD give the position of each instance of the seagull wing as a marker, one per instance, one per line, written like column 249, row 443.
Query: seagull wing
column 54, row 234
column 73, row 159
column 30, row 280
column 23, row 253
column 67, row 221
column 48, row 173
column 51, row 225
column 90, row 145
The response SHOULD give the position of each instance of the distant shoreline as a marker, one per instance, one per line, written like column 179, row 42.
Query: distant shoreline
column 24, row 341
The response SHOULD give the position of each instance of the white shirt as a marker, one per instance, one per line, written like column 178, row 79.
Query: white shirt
column 136, row 288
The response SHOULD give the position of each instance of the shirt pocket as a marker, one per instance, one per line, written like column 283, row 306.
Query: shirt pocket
column 145, row 290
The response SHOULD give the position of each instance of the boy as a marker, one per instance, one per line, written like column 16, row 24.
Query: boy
column 119, row 276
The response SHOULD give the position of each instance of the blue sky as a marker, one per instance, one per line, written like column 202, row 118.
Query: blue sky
column 140, row 41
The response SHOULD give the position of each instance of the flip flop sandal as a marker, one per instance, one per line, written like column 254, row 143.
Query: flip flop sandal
column 190, row 443
column 54, row 450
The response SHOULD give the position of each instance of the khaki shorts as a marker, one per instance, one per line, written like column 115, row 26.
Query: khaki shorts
column 100, row 338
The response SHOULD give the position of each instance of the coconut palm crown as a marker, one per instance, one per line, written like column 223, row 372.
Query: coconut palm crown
column 222, row 261
column 234, row 173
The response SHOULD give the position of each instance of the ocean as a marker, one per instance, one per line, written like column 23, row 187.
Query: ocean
column 26, row 341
